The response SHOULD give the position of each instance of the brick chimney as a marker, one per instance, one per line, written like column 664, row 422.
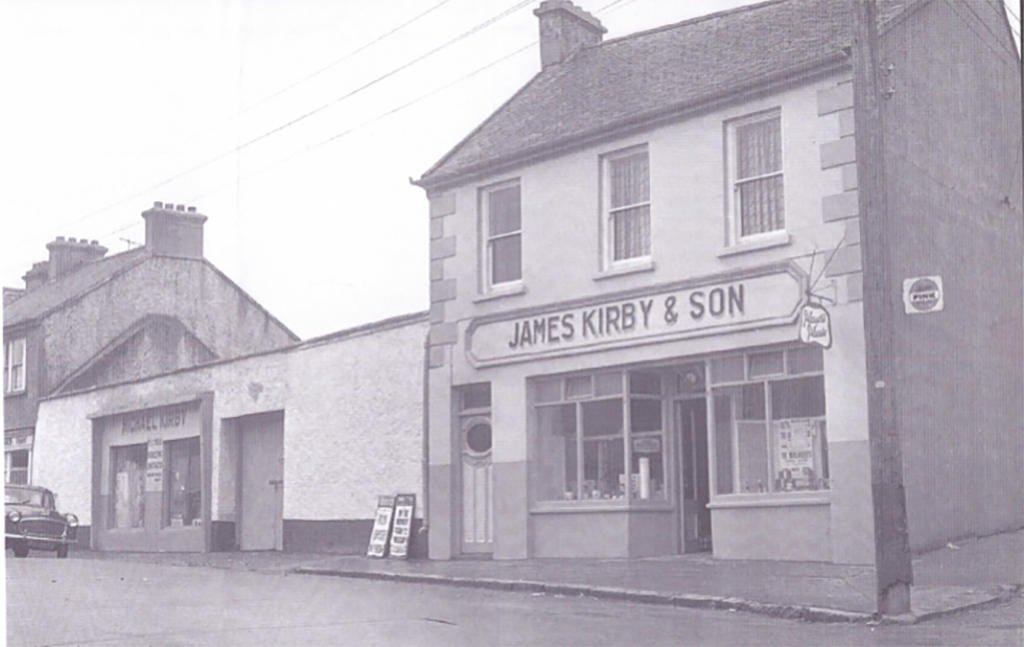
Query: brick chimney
column 564, row 30
column 37, row 275
column 174, row 231
column 66, row 256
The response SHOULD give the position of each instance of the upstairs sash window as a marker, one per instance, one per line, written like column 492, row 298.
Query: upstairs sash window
column 503, row 222
column 629, row 205
column 757, row 196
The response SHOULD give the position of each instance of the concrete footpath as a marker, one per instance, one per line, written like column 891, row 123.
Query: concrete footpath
column 958, row 577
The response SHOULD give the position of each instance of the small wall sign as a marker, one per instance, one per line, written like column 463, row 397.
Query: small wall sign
column 815, row 325
column 922, row 295
column 381, row 527
column 404, row 506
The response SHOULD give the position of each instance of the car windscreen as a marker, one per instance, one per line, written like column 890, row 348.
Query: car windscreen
column 23, row 496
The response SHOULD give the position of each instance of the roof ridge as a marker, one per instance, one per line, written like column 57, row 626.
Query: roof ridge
column 688, row 22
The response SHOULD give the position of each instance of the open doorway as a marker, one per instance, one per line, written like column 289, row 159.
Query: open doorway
column 691, row 423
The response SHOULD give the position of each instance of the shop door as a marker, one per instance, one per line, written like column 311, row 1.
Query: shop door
column 691, row 417
column 262, row 483
column 477, row 487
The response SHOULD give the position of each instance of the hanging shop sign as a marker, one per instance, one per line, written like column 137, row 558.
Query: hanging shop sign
column 815, row 325
column 922, row 295
column 402, row 531
column 712, row 305
column 381, row 527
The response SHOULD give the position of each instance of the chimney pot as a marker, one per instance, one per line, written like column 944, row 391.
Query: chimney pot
column 191, row 209
column 181, row 207
column 60, row 239
column 564, row 30
column 158, row 205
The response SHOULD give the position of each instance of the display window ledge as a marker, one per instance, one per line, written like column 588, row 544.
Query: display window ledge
column 600, row 505
column 775, row 500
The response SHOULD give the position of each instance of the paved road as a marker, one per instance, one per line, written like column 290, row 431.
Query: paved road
column 98, row 602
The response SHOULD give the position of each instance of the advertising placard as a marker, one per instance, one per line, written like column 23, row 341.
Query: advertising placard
column 794, row 452
column 381, row 527
column 404, row 506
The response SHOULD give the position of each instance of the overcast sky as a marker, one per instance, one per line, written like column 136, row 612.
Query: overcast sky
column 295, row 125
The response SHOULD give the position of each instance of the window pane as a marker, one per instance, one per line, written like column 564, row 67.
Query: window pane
column 690, row 379
column 578, row 387
column 752, row 450
column 632, row 232
column 19, row 458
column 764, row 364
column 648, row 470
column 476, row 396
column 604, row 466
column 129, row 475
column 727, row 369
column 549, row 390
column 630, row 180
column 556, row 453
column 759, row 148
column 761, row 206
column 644, row 415
column 506, row 259
column 649, row 383
column 183, row 496
column 752, row 402
column 723, row 444
column 808, row 359
column 799, row 398
column 608, row 384
column 503, row 213
column 602, row 418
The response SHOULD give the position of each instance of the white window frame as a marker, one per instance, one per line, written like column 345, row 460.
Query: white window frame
column 10, row 352
column 734, row 235
column 607, row 213
column 487, row 266
column 8, row 467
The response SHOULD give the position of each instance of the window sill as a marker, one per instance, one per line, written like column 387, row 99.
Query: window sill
column 501, row 292
column 776, row 239
column 623, row 269
column 599, row 505
column 771, row 500
column 11, row 394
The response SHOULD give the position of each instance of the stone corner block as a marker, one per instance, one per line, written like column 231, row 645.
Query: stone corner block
column 442, row 204
column 855, row 287
column 849, row 177
column 436, row 228
column 835, row 99
column 442, row 248
column 444, row 290
column 839, row 152
column 437, row 356
column 846, row 261
column 445, row 333
column 840, row 206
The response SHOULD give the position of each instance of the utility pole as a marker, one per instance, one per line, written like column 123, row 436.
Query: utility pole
column 894, row 571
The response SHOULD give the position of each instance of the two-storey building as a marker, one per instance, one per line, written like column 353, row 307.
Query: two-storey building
column 647, row 316
column 85, row 319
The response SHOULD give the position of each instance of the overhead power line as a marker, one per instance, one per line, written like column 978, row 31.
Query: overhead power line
column 984, row 41
column 288, row 124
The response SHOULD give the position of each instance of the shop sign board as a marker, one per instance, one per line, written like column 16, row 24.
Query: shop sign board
column 402, row 531
column 815, row 325
column 922, row 295
column 381, row 527
column 155, row 465
column 700, row 307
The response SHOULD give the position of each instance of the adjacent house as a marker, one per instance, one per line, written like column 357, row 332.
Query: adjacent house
column 647, row 323
column 85, row 319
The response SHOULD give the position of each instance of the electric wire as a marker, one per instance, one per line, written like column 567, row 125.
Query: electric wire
column 983, row 40
column 292, row 122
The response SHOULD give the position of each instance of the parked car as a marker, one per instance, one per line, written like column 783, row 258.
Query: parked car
column 31, row 521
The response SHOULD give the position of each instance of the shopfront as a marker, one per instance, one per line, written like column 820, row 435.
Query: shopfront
column 694, row 417
column 151, row 479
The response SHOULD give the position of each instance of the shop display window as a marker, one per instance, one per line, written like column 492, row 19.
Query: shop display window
column 585, row 427
column 182, row 494
column 129, row 486
column 770, row 429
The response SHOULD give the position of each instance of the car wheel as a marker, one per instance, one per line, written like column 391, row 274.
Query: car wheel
column 62, row 552
column 20, row 550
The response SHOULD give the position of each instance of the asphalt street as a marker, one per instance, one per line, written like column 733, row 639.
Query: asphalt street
column 54, row 602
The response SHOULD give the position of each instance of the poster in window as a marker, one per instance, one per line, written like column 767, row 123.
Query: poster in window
column 794, row 453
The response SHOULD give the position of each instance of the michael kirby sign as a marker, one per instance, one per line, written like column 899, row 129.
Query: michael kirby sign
column 711, row 308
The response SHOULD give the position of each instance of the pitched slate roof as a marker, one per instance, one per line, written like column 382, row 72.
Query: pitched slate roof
column 655, row 73
column 40, row 301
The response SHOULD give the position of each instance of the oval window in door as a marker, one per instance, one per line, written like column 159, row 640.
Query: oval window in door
column 478, row 438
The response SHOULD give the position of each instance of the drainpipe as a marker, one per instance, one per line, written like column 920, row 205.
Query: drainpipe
column 425, row 527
